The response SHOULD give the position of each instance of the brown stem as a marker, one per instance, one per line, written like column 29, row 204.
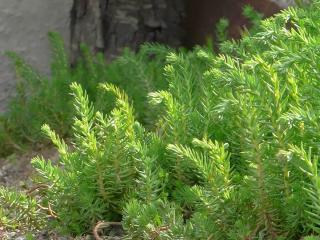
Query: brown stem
column 36, row 187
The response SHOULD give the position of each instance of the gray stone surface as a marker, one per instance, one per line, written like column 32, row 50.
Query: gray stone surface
column 23, row 28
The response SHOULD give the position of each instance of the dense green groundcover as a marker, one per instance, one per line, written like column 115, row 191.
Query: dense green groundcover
column 50, row 100
column 227, row 150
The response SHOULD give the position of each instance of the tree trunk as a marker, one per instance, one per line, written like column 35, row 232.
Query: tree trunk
column 111, row 25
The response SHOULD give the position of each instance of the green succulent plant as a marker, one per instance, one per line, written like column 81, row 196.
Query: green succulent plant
column 231, row 151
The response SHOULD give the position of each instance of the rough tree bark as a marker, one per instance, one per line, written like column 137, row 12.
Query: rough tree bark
column 110, row 25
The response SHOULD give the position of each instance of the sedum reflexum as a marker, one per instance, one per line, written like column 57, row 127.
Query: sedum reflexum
column 95, row 173
column 231, row 153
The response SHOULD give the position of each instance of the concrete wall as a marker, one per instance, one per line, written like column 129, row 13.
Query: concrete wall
column 23, row 28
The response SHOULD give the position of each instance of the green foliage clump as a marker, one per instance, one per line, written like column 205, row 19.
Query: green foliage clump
column 19, row 211
column 233, row 153
column 90, row 182
column 221, row 29
column 38, row 98
column 136, row 73
column 41, row 99
column 253, row 16
column 311, row 238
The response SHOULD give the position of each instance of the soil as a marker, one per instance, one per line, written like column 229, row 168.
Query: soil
column 16, row 170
